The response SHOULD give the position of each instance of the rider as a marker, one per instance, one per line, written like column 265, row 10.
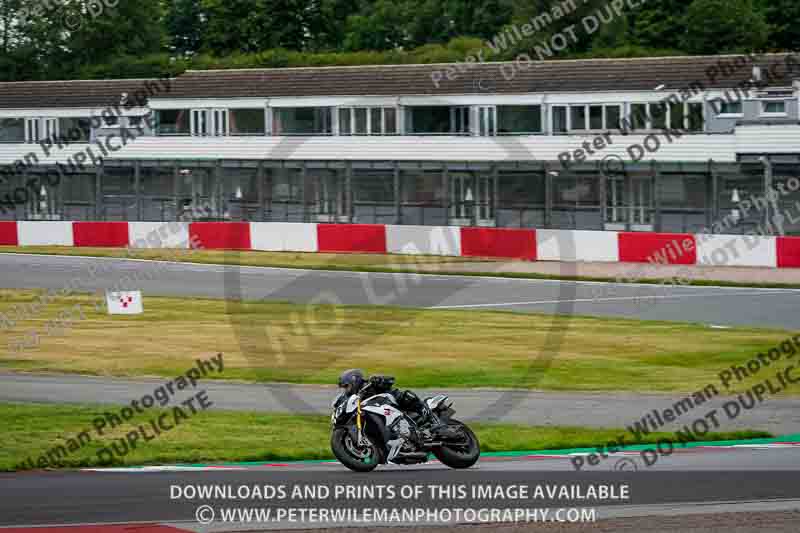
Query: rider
column 352, row 381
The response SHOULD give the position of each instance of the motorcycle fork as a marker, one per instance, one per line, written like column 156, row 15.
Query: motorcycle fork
column 359, row 423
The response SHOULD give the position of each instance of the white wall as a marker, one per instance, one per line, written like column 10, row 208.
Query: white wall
column 283, row 237
column 158, row 234
column 569, row 245
column 737, row 250
column 45, row 233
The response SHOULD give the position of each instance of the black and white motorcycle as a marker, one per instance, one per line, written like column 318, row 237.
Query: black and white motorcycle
column 369, row 428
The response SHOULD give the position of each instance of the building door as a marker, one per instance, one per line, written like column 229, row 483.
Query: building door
column 630, row 203
column 472, row 199
column 642, row 203
column 329, row 195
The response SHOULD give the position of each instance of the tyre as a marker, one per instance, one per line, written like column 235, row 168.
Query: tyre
column 462, row 456
column 356, row 458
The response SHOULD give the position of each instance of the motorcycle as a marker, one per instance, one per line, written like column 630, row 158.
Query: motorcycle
column 369, row 428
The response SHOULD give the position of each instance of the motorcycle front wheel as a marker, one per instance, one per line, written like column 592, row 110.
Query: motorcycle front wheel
column 358, row 458
column 461, row 455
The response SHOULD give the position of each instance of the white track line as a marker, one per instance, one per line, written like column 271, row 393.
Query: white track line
column 611, row 299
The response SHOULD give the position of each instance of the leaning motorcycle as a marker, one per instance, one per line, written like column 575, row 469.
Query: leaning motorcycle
column 370, row 429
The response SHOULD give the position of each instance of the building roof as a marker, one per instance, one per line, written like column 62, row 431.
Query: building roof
column 69, row 94
column 589, row 75
column 592, row 75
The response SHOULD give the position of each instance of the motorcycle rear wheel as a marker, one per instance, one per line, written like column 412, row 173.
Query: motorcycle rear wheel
column 460, row 456
column 356, row 458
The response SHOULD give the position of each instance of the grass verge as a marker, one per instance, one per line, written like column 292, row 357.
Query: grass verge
column 282, row 342
column 391, row 263
column 31, row 431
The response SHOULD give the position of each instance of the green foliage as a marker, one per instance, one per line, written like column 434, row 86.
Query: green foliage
column 724, row 26
column 784, row 28
column 154, row 37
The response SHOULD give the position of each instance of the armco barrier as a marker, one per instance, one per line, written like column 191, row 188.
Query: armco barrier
column 577, row 245
column 366, row 238
column 737, row 250
column 8, row 234
column 788, row 252
column 221, row 235
column 100, row 234
column 664, row 248
column 423, row 240
column 45, row 233
column 283, row 237
column 158, row 235
column 500, row 243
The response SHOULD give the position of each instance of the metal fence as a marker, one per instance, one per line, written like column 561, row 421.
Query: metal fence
column 665, row 197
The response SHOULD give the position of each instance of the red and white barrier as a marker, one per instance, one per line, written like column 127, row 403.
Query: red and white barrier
column 173, row 235
column 788, row 251
column 45, row 233
column 283, row 237
column 499, row 242
column 741, row 250
column 579, row 245
column 526, row 244
column 8, row 234
column 100, row 234
column 350, row 238
column 423, row 240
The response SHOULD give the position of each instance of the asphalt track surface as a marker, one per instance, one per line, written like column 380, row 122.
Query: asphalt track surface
column 718, row 306
column 779, row 416
column 756, row 480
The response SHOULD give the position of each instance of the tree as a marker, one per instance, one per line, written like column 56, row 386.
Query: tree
column 185, row 23
column 782, row 17
column 256, row 25
column 725, row 26
column 92, row 34
column 659, row 24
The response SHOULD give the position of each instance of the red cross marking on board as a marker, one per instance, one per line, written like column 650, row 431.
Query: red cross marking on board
column 126, row 301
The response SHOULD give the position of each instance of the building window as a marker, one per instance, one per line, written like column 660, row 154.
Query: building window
column 438, row 120
column 613, row 115
column 560, row 125
column 577, row 115
column 696, row 117
column 367, row 121
column 639, row 116
column 663, row 115
column 586, row 117
column 773, row 108
column 487, row 121
column 172, row 122
column 728, row 108
column 75, row 129
column 519, row 119
column 210, row 122
column 302, row 121
column 677, row 115
column 247, row 122
column 658, row 116
column 12, row 130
